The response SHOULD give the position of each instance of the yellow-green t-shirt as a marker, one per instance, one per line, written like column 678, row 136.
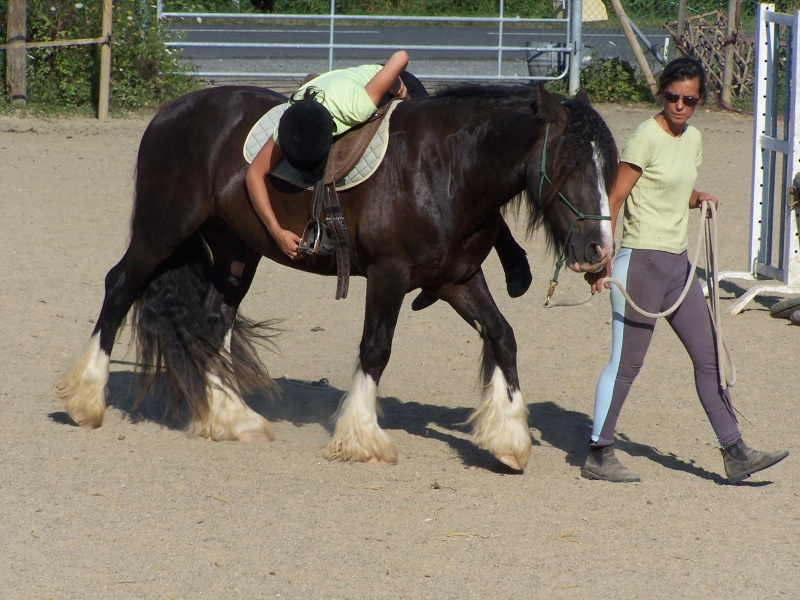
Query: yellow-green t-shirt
column 656, row 213
column 342, row 93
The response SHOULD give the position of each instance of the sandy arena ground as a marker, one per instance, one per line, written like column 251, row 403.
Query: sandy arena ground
column 136, row 509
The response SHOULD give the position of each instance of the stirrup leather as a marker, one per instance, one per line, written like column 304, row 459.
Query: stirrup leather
column 330, row 239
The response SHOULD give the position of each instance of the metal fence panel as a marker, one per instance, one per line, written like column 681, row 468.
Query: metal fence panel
column 513, row 48
column 233, row 45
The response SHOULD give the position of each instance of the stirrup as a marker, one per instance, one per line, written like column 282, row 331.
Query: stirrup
column 315, row 240
column 311, row 238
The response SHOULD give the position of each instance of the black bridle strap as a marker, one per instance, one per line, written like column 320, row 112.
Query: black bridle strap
column 561, row 253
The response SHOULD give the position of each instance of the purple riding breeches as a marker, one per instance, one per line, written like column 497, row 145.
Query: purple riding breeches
column 654, row 280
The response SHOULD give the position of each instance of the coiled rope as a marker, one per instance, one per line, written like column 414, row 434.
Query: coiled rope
column 707, row 233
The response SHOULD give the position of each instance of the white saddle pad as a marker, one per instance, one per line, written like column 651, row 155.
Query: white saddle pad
column 365, row 167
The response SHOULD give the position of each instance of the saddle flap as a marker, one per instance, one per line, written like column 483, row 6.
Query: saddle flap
column 349, row 148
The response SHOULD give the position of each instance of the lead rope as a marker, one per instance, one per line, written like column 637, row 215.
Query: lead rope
column 707, row 232
column 725, row 366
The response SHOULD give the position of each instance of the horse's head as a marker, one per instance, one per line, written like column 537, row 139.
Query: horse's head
column 570, row 177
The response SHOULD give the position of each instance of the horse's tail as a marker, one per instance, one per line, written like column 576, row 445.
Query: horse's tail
column 180, row 334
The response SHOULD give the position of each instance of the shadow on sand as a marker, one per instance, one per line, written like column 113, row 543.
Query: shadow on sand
column 302, row 403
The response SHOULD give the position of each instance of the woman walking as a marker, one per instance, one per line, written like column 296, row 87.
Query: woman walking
column 655, row 183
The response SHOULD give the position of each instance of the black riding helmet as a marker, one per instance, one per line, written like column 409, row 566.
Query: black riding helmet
column 305, row 135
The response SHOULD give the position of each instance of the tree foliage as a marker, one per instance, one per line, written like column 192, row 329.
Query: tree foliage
column 144, row 72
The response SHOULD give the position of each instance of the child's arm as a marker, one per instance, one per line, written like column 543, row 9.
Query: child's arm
column 384, row 79
column 266, row 160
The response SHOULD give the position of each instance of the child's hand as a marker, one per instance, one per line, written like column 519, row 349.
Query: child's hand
column 288, row 242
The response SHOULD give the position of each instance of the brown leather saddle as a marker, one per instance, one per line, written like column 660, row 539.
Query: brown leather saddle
column 326, row 232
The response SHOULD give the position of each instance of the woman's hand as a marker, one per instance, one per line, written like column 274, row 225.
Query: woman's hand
column 264, row 162
column 595, row 280
column 697, row 199
column 387, row 77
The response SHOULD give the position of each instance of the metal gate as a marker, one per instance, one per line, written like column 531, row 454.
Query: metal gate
column 519, row 49
column 774, row 251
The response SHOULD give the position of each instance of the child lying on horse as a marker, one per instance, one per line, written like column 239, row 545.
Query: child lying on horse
column 326, row 106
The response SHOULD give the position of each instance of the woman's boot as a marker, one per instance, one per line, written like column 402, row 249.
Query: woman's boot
column 742, row 461
column 602, row 464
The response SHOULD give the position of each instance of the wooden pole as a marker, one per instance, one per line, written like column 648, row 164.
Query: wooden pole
column 57, row 43
column 727, row 72
column 637, row 51
column 105, row 64
column 676, row 50
column 16, row 77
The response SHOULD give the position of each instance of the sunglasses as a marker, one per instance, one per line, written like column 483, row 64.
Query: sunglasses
column 687, row 100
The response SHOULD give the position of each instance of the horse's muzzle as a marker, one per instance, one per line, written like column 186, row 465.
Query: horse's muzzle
column 594, row 258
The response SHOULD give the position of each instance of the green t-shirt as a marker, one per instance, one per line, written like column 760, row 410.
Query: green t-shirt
column 343, row 94
column 656, row 213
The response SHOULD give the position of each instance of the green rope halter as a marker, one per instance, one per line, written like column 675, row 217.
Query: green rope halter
column 561, row 253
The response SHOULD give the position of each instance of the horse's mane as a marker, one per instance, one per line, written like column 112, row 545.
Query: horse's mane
column 514, row 92
column 586, row 125
column 585, row 134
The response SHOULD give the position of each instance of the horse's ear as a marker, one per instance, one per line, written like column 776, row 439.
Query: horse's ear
column 583, row 97
column 550, row 107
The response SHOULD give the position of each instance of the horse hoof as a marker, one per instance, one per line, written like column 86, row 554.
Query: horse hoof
column 509, row 460
column 256, row 437
column 93, row 423
column 336, row 450
column 423, row 300
column 518, row 281
column 87, row 422
column 86, row 413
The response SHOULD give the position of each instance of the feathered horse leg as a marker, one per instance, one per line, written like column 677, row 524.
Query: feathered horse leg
column 357, row 436
column 82, row 388
column 500, row 422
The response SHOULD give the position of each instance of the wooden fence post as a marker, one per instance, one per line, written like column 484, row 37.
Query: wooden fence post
column 727, row 68
column 16, row 77
column 678, row 47
column 637, row 51
column 105, row 64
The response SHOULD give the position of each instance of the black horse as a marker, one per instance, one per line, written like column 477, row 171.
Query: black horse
column 426, row 219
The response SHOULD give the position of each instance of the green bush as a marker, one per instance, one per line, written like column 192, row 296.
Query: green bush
column 467, row 8
column 610, row 80
column 214, row 6
column 614, row 80
column 484, row 8
column 144, row 73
